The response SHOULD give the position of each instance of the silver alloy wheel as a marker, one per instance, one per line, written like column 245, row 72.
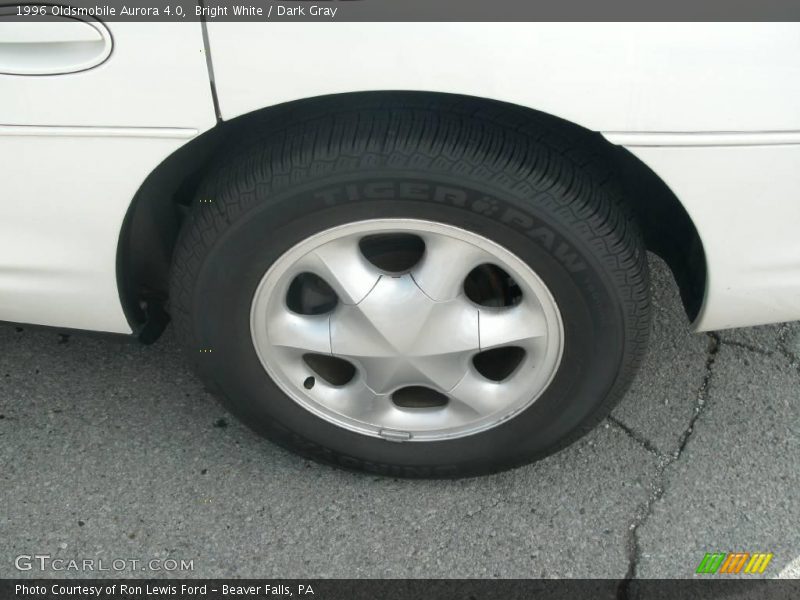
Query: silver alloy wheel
column 411, row 333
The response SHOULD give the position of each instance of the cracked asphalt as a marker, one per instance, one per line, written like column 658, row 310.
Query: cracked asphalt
column 113, row 450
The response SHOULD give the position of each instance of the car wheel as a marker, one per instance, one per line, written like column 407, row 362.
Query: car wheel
column 412, row 292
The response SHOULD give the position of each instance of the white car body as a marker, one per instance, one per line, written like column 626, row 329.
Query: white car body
column 712, row 109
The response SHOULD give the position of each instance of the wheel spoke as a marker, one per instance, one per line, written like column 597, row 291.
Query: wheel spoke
column 309, row 333
column 443, row 371
column 355, row 399
column 444, row 266
column 477, row 396
column 381, row 412
column 515, row 325
column 343, row 267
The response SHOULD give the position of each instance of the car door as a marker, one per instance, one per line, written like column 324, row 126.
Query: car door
column 87, row 110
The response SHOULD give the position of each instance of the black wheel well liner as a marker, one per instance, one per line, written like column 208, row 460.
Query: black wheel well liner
column 155, row 214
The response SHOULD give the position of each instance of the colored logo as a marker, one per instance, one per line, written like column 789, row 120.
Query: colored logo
column 733, row 563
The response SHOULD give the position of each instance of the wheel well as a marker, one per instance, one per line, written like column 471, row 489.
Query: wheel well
column 154, row 217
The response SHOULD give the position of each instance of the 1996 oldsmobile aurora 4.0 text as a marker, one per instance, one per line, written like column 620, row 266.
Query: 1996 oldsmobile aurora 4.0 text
column 388, row 246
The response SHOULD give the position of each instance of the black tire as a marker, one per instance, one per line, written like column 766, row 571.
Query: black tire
column 527, row 184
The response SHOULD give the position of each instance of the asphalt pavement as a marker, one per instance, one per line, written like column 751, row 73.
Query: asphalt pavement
column 111, row 450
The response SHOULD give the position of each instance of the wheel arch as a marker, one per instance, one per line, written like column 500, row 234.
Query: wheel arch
column 154, row 217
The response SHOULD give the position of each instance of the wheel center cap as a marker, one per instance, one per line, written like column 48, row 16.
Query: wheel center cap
column 401, row 337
